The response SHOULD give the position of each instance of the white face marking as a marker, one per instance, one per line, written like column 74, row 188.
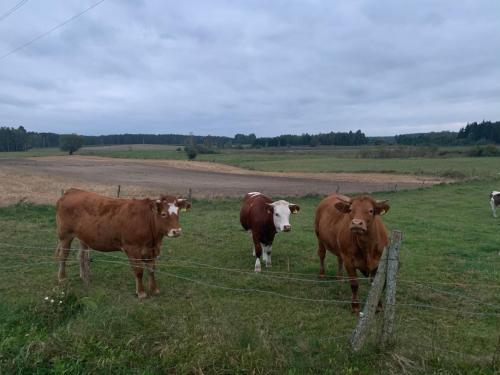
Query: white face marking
column 173, row 209
column 281, row 215
column 254, row 193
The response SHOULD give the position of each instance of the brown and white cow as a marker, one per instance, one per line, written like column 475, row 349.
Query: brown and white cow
column 264, row 218
column 494, row 202
column 353, row 231
column 134, row 226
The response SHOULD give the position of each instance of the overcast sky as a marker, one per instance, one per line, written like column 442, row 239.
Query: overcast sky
column 269, row 67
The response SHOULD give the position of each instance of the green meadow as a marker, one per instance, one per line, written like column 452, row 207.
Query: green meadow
column 329, row 161
column 215, row 315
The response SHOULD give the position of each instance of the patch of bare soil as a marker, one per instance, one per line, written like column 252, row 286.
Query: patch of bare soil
column 41, row 180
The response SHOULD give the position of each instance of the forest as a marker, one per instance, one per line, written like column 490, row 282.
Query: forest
column 486, row 132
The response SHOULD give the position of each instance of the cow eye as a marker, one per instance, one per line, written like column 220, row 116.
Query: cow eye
column 276, row 215
column 371, row 211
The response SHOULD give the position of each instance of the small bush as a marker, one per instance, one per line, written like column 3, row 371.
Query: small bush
column 191, row 152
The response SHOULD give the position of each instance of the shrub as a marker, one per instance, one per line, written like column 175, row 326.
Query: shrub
column 191, row 152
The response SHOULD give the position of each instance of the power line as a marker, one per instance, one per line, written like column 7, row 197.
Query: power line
column 51, row 30
column 13, row 9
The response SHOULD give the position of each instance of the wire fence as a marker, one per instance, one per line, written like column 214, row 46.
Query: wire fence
column 164, row 267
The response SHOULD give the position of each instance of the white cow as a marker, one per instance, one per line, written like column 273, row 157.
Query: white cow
column 494, row 202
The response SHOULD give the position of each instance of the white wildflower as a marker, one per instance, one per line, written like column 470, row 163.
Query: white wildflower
column 60, row 302
column 46, row 298
column 51, row 301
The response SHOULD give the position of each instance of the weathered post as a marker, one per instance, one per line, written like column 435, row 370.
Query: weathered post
column 386, row 334
column 118, row 191
column 62, row 192
column 360, row 333
column 84, row 258
column 190, row 193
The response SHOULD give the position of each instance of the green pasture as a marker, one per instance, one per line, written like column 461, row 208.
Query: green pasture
column 34, row 152
column 207, row 320
column 300, row 161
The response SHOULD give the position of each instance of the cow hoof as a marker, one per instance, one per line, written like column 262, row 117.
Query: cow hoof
column 155, row 291
column 142, row 295
column 258, row 269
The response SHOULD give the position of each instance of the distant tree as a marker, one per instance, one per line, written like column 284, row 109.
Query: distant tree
column 70, row 142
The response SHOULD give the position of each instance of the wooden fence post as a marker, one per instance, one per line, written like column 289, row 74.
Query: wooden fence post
column 360, row 333
column 190, row 193
column 386, row 335
column 84, row 258
column 118, row 191
column 62, row 192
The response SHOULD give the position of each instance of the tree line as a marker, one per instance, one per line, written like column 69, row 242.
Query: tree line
column 472, row 134
column 18, row 139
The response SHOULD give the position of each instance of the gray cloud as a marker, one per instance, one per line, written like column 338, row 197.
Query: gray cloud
column 269, row 67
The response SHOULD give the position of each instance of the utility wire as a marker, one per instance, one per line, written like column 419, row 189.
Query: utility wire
column 13, row 9
column 22, row 46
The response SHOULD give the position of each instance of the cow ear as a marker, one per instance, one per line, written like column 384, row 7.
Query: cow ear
column 183, row 204
column 269, row 208
column 343, row 207
column 381, row 207
column 294, row 208
column 155, row 206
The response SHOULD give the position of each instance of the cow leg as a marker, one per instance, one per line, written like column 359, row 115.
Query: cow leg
column 62, row 253
column 340, row 268
column 493, row 207
column 258, row 254
column 266, row 254
column 351, row 271
column 150, row 264
column 321, row 255
column 138, row 270
column 84, row 258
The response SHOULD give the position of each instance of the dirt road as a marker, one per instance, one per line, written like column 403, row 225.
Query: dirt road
column 41, row 179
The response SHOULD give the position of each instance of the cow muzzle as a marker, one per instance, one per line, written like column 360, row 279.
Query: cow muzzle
column 174, row 232
column 358, row 226
column 287, row 228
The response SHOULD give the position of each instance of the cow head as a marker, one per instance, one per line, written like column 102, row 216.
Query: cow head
column 361, row 211
column 281, row 211
column 167, row 209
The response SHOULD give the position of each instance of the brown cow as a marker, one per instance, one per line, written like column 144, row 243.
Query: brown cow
column 135, row 226
column 264, row 218
column 353, row 231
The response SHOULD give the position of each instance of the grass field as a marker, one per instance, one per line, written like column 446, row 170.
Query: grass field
column 448, row 295
column 300, row 160
column 35, row 152
column 453, row 167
